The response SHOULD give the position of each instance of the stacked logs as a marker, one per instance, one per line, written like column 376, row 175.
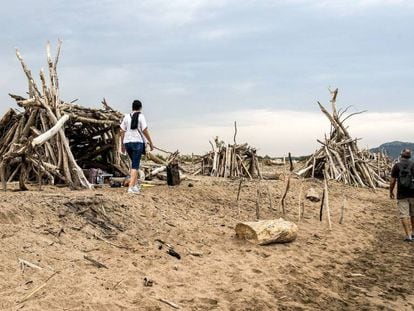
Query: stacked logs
column 230, row 161
column 52, row 139
column 93, row 136
column 379, row 162
column 339, row 157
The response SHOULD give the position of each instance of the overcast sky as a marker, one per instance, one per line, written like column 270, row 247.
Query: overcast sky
column 199, row 65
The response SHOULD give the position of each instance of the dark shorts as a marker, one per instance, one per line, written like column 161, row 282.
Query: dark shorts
column 134, row 151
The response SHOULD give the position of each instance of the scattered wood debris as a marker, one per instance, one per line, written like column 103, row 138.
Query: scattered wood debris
column 24, row 263
column 36, row 289
column 170, row 250
column 171, row 304
column 95, row 262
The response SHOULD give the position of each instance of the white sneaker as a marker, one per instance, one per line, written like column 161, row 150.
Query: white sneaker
column 134, row 190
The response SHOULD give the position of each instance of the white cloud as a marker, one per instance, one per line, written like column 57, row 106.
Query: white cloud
column 347, row 6
column 173, row 14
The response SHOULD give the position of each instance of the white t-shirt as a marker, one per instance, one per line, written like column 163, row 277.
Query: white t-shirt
column 134, row 136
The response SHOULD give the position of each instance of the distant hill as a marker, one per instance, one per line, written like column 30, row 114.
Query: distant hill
column 393, row 149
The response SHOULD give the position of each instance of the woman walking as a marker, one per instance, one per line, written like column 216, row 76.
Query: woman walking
column 134, row 135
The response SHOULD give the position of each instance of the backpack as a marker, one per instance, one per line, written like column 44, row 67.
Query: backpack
column 406, row 178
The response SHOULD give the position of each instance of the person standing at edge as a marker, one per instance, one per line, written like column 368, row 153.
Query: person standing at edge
column 134, row 134
column 402, row 173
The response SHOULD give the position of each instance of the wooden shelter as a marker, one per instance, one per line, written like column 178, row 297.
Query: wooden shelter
column 340, row 157
column 230, row 161
column 55, row 140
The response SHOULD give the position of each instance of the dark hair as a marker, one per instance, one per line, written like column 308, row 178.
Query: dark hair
column 406, row 153
column 136, row 105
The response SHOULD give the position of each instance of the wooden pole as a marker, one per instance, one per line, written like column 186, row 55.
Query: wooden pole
column 291, row 163
column 300, row 203
column 326, row 201
column 287, row 185
column 235, row 132
column 344, row 205
column 258, row 201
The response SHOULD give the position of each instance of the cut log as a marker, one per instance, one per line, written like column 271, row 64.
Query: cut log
column 265, row 232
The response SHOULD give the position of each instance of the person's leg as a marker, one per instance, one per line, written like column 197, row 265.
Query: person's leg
column 406, row 225
column 404, row 211
column 134, row 177
column 411, row 201
column 412, row 227
column 132, row 150
column 140, row 149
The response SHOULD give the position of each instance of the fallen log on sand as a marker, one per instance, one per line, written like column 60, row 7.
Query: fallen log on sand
column 267, row 231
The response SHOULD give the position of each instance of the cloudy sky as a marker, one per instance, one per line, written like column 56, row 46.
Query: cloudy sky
column 199, row 65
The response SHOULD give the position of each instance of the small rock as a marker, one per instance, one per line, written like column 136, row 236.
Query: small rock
column 61, row 213
column 313, row 195
column 195, row 253
column 148, row 282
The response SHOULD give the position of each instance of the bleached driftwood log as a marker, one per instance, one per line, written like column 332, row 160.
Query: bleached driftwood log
column 267, row 231
column 51, row 132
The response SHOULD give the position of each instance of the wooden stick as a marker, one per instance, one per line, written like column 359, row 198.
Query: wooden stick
column 37, row 289
column 313, row 165
column 300, row 203
column 302, row 209
column 322, row 204
column 171, row 304
column 270, row 198
column 95, row 262
column 14, row 172
column 344, row 205
column 238, row 191
column 326, row 201
column 282, row 200
column 258, row 201
column 235, row 132
column 24, row 263
column 291, row 163
column 110, row 243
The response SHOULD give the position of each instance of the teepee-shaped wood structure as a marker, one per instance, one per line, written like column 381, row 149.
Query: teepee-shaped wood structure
column 50, row 138
column 340, row 157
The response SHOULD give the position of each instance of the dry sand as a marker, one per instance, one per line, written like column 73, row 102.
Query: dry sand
column 359, row 265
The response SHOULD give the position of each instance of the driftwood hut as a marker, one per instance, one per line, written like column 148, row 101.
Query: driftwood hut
column 339, row 157
column 54, row 140
column 230, row 161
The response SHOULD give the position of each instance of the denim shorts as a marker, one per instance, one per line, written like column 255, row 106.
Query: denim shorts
column 134, row 151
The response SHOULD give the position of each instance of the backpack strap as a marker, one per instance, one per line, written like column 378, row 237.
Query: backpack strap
column 142, row 136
